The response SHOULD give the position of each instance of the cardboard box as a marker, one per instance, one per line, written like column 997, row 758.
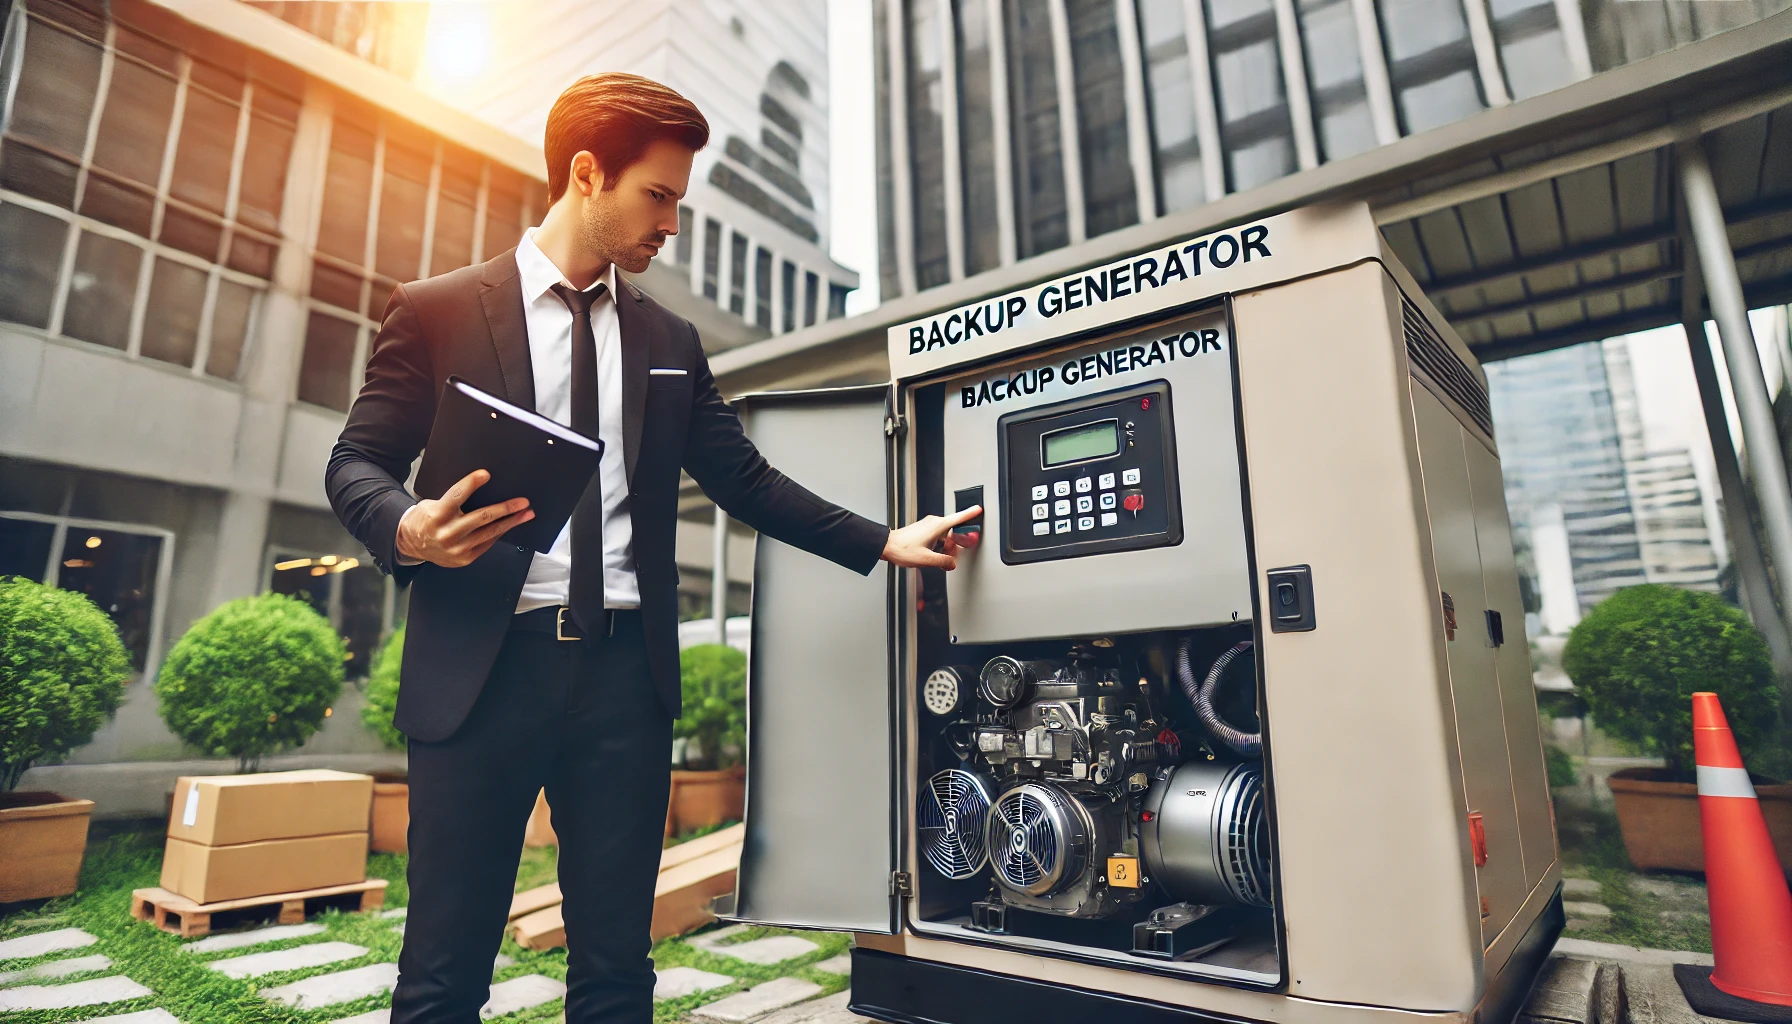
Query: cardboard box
column 207, row 874
column 226, row 810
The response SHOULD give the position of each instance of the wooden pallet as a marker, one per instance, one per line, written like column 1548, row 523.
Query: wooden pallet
column 175, row 913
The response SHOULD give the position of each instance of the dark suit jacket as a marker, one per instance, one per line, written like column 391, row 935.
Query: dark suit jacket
column 470, row 322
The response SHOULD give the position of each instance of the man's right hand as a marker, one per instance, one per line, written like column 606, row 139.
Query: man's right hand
column 436, row 530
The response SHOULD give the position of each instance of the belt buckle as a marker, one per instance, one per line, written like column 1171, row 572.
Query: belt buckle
column 560, row 624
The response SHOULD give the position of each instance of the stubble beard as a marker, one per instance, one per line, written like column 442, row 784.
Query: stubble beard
column 603, row 237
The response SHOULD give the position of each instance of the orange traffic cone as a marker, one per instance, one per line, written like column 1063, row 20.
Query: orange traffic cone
column 1751, row 908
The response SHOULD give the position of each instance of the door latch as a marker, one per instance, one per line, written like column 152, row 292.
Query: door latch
column 895, row 426
column 902, row 884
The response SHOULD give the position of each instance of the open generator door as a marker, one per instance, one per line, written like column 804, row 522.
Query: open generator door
column 821, row 842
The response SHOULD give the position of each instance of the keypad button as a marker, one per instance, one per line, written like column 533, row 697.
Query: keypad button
column 1109, row 518
column 1084, row 503
column 1039, row 492
column 1042, row 511
column 1083, row 484
column 1061, row 526
column 1086, row 523
column 1129, row 477
column 1041, row 529
column 1061, row 507
column 1061, row 488
column 1105, row 481
column 1107, row 500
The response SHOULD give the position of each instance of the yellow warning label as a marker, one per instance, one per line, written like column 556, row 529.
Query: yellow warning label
column 1123, row 872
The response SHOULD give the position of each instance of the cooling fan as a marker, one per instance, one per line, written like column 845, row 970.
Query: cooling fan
column 953, row 808
column 1038, row 838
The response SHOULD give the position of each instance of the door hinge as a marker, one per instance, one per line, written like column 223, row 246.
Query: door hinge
column 895, row 426
column 902, row 884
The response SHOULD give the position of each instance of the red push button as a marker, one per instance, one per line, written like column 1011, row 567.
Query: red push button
column 1133, row 501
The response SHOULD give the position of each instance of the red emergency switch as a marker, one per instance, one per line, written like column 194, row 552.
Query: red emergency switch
column 1133, row 501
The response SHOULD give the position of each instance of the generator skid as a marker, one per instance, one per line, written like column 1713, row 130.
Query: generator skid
column 1227, row 713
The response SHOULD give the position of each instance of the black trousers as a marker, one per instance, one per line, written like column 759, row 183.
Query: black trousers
column 581, row 718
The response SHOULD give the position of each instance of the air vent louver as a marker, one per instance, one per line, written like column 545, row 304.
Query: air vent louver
column 1431, row 356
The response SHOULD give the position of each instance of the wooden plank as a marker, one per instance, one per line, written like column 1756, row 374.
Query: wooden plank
column 190, row 919
column 530, row 900
column 702, row 846
column 681, row 898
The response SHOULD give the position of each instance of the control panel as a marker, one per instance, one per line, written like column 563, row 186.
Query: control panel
column 1090, row 475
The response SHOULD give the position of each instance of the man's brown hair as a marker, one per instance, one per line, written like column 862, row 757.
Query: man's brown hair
column 615, row 117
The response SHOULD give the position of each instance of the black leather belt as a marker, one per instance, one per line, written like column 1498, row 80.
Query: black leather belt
column 557, row 621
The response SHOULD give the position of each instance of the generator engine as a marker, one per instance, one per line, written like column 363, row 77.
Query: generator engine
column 1073, row 794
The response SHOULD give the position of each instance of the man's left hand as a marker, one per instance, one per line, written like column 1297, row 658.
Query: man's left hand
column 913, row 546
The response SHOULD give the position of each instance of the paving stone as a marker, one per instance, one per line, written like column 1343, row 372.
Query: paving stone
column 398, row 912
column 772, row 949
column 1630, row 954
column 155, row 1016
column 370, row 1017
column 296, row 959
column 45, row 942
column 1589, row 911
column 400, row 928
column 520, row 994
column 253, row 937
column 1564, row 991
column 1652, row 996
column 330, row 989
column 1658, row 886
column 841, row 964
column 1579, row 887
column 831, row 1010
column 81, row 993
column 678, row 982
column 58, row 969
column 501, row 961
column 757, row 1001
column 1684, row 916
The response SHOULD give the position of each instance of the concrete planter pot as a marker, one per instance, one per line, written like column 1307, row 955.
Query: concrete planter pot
column 1659, row 818
column 702, row 799
column 43, row 837
column 391, row 818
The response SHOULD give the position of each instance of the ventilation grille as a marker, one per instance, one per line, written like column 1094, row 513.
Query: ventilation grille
column 1435, row 359
column 952, row 815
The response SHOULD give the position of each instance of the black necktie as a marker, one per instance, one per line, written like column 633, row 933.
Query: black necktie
column 585, row 594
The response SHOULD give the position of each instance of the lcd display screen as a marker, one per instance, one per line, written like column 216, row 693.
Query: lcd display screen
column 1075, row 444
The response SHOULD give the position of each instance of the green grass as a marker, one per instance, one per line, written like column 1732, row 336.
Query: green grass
column 185, row 987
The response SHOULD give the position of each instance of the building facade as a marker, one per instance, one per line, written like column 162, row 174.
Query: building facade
column 202, row 216
column 1010, row 128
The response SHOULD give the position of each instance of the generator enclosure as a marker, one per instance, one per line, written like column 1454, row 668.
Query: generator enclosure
column 1228, row 713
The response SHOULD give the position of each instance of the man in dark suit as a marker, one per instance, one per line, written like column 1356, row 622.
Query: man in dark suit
column 523, row 670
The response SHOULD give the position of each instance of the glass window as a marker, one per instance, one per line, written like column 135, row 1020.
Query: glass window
column 762, row 288
column 452, row 246
column 503, row 212
column 348, row 189
column 1431, row 62
column 976, row 140
column 712, row 257
column 1247, row 71
column 230, row 329
column 263, row 181
column 681, row 248
column 329, row 362
column 171, row 323
column 25, row 547
column 349, row 593
column 207, row 145
column 926, row 143
column 1170, row 94
column 190, row 233
column 1335, row 76
column 52, row 104
column 251, row 256
column 1040, row 223
column 30, row 258
column 811, row 293
column 404, row 194
column 789, row 282
column 337, row 287
column 837, row 300
column 303, row 578
column 117, row 571
column 1109, row 199
column 101, row 291
column 1532, row 50
column 134, row 126
column 737, row 273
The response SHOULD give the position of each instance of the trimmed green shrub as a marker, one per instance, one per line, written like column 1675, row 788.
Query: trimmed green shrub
column 382, row 692
column 253, row 677
column 62, row 673
column 1640, row 655
column 1560, row 764
column 714, row 681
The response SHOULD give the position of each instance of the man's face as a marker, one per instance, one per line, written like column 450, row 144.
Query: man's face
column 626, row 225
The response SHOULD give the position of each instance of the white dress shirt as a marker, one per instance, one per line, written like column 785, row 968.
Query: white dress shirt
column 549, row 325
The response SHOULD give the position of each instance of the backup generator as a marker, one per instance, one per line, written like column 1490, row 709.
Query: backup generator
column 1229, row 713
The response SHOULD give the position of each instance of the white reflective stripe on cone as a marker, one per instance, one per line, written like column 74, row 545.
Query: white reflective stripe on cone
column 1725, row 782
